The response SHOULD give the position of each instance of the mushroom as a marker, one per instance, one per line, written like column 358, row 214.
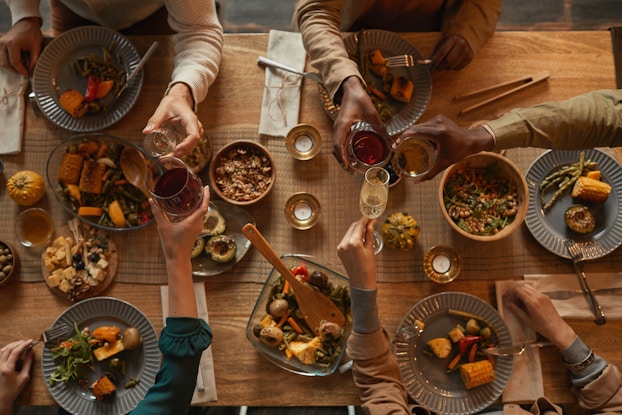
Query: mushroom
column 271, row 336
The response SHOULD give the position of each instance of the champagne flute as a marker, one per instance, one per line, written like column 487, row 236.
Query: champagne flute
column 174, row 188
column 373, row 200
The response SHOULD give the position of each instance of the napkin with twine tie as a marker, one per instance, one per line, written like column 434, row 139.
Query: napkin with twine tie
column 525, row 384
column 578, row 306
column 205, row 390
column 12, row 111
column 281, row 96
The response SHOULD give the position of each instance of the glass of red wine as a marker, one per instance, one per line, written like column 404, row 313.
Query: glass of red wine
column 174, row 188
column 367, row 146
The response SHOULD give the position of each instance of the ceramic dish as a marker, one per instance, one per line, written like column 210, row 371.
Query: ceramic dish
column 9, row 262
column 273, row 354
column 142, row 363
column 235, row 218
column 425, row 376
column 53, row 75
column 549, row 227
column 141, row 215
column 390, row 44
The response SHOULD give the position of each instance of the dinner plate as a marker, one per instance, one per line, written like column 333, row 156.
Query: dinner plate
column 142, row 363
column 390, row 44
column 425, row 375
column 53, row 75
column 549, row 228
column 236, row 218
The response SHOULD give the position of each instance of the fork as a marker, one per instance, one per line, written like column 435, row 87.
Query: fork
column 53, row 333
column 577, row 259
column 310, row 75
column 516, row 349
column 405, row 60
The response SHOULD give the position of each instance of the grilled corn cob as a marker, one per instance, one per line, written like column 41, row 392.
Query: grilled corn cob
column 591, row 190
column 477, row 373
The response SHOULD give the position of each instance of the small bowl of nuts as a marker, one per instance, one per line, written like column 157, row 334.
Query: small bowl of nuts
column 242, row 172
column 9, row 262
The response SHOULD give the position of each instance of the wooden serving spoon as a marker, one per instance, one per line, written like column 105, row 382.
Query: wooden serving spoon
column 315, row 306
column 134, row 168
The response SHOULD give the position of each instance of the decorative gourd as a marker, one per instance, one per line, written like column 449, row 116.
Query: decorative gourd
column 26, row 187
column 400, row 231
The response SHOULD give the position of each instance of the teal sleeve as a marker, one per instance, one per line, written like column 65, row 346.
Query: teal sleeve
column 182, row 342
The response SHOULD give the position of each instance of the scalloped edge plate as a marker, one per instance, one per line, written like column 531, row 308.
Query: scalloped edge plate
column 425, row 377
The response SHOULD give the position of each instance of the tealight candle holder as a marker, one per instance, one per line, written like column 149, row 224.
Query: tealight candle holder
column 302, row 210
column 303, row 142
column 441, row 264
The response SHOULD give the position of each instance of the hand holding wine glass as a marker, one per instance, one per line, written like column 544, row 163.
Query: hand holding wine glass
column 174, row 188
column 374, row 197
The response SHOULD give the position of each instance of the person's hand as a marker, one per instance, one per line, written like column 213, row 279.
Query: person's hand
column 177, row 239
column 356, row 251
column 451, row 52
column 538, row 312
column 453, row 143
column 13, row 381
column 355, row 106
column 21, row 45
column 177, row 106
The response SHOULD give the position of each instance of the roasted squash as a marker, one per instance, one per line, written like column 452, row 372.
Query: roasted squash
column 400, row 231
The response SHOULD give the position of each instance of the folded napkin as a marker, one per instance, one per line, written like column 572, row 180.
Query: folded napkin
column 525, row 384
column 12, row 89
column 281, row 96
column 578, row 306
column 205, row 390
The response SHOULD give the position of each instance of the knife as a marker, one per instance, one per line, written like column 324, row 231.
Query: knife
column 564, row 295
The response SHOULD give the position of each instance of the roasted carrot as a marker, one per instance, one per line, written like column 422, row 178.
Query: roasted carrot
column 472, row 352
column 294, row 325
column 120, row 182
column 283, row 319
column 101, row 152
column 285, row 287
column 454, row 362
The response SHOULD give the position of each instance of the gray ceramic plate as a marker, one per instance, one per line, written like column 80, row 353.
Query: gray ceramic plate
column 236, row 218
column 391, row 44
column 549, row 228
column 425, row 377
column 54, row 75
column 142, row 363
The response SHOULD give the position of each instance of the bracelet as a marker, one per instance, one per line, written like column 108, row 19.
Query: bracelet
column 492, row 133
column 583, row 364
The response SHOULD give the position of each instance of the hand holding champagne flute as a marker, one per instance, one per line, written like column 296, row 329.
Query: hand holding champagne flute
column 374, row 197
column 174, row 188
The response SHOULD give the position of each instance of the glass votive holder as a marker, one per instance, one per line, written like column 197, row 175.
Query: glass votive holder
column 34, row 227
column 367, row 145
column 302, row 210
column 415, row 156
column 303, row 142
column 441, row 264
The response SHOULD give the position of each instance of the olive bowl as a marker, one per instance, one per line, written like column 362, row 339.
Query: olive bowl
column 9, row 262
column 337, row 285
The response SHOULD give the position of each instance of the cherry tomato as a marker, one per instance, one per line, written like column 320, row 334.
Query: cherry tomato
column 301, row 270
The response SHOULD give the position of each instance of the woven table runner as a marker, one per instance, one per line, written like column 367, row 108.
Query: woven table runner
column 141, row 259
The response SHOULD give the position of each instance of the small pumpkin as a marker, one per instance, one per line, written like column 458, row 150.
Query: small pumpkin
column 26, row 187
column 400, row 231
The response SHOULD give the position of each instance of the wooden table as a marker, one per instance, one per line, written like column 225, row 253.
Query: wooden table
column 578, row 62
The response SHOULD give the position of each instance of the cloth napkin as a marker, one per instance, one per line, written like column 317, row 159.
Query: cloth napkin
column 12, row 89
column 525, row 384
column 205, row 390
column 281, row 96
column 578, row 307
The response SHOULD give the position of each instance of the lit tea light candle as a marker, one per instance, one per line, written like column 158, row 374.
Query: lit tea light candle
column 303, row 211
column 303, row 143
column 441, row 264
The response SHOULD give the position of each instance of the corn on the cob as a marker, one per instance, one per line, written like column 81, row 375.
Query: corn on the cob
column 477, row 373
column 591, row 190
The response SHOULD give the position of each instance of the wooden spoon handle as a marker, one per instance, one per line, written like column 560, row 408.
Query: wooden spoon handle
column 269, row 253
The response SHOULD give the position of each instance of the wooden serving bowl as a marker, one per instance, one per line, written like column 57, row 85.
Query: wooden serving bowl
column 506, row 169
column 11, row 258
column 239, row 151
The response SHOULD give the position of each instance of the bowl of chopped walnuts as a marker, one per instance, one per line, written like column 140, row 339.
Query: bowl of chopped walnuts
column 242, row 172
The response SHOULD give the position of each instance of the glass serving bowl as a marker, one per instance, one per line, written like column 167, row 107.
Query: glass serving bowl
column 133, row 203
column 279, row 357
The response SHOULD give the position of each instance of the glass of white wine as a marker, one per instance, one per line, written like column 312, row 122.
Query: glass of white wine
column 373, row 200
